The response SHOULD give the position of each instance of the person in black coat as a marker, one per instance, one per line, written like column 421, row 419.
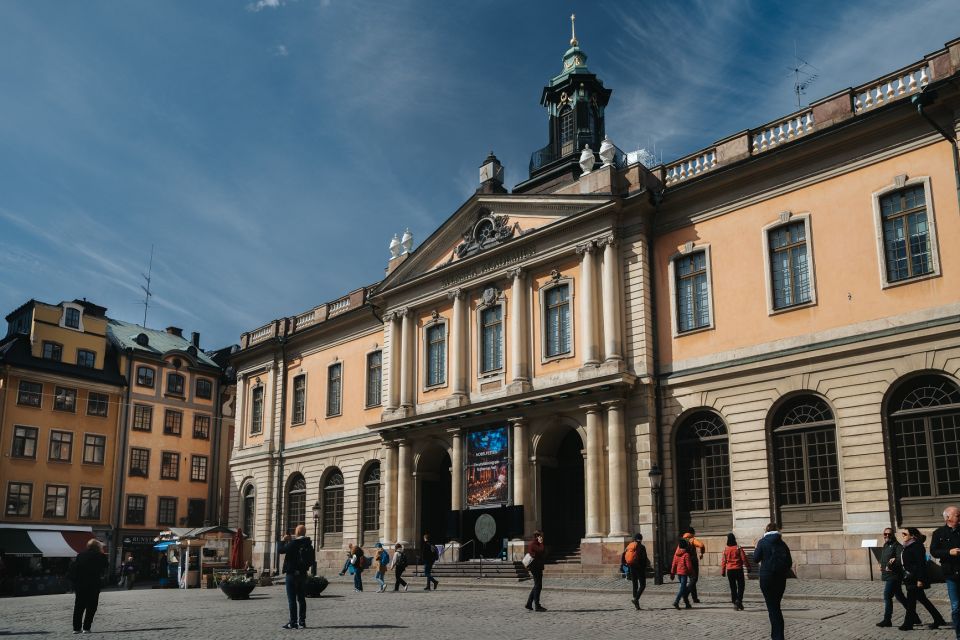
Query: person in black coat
column 773, row 556
column 538, row 554
column 428, row 555
column 945, row 547
column 913, row 558
column 891, row 573
column 299, row 558
column 86, row 574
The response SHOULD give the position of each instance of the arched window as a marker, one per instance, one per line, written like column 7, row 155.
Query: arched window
column 924, row 418
column 296, row 502
column 371, row 499
column 805, row 464
column 333, row 503
column 703, row 473
column 249, row 510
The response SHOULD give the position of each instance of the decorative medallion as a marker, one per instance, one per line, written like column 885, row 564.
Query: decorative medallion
column 488, row 231
column 490, row 295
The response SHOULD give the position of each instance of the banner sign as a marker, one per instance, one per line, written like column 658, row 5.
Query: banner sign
column 486, row 468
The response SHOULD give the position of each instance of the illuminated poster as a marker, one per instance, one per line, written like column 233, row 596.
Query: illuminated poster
column 486, row 468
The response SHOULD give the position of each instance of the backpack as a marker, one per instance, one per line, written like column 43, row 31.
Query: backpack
column 630, row 556
column 400, row 561
column 362, row 560
column 305, row 557
column 779, row 561
column 384, row 559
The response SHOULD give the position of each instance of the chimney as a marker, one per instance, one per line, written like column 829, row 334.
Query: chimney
column 491, row 176
column 195, row 339
column 175, row 331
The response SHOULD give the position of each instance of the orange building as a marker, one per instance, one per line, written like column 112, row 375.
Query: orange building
column 60, row 398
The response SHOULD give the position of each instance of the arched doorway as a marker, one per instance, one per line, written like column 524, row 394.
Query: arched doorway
column 433, row 494
column 560, row 460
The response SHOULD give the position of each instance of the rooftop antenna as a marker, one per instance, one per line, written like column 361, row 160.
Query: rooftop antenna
column 146, row 289
column 803, row 75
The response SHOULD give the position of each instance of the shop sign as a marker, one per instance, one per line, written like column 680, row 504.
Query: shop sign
column 138, row 541
column 486, row 469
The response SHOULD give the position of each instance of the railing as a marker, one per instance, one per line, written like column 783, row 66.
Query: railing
column 891, row 88
column 261, row 334
column 542, row 157
column 304, row 320
column 338, row 306
column 691, row 166
column 785, row 130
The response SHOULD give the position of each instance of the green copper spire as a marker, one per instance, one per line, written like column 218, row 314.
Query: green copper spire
column 574, row 60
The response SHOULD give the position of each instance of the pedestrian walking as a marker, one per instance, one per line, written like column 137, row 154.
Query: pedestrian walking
column 913, row 558
column 86, row 574
column 635, row 559
column 538, row 554
column 299, row 558
column 696, row 555
column 682, row 567
column 733, row 564
column 399, row 564
column 428, row 555
column 359, row 562
column 945, row 547
column 773, row 556
column 891, row 574
column 380, row 564
column 346, row 563
column 128, row 573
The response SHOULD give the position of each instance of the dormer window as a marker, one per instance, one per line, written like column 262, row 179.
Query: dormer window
column 71, row 318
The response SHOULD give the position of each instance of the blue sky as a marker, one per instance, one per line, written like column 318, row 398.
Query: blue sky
column 270, row 149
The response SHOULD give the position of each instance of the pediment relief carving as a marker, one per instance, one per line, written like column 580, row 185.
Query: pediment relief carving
column 486, row 232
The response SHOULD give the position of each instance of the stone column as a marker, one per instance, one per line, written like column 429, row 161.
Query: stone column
column 404, row 493
column 611, row 301
column 588, row 330
column 456, row 470
column 396, row 340
column 519, row 327
column 458, row 343
column 407, row 358
column 520, row 460
column 241, row 423
column 594, row 472
column 617, row 470
column 390, row 492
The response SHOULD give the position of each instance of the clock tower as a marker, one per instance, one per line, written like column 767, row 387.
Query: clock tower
column 575, row 101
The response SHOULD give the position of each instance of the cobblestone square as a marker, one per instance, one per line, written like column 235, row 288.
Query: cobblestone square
column 453, row 611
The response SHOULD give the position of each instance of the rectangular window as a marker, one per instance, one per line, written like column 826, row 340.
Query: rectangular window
column 139, row 462
column 24, row 442
column 55, row 504
column 491, row 339
column 94, row 448
column 789, row 267
column 170, row 465
column 198, row 468
column 167, row 511
column 29, row 393
column 256, row 411
column 90, row 498
column 136, row 510
column 906, row 236
column 19, row 495
column 693, row 296
column 557, row 329
column 65, row 399
column 299, row 399
column 436, row 354
column 172, row 422
column 61, row 446
column 204, row 388
column 374, row 378
column 175, row 384
column 97, row 404
column 86, row 359
column 52, row 351
column 334, row 373
column 201, row 427
column 142, row 417
column 71, row 318
column 145, row 377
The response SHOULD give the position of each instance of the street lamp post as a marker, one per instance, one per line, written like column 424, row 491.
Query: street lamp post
column 316, row 520
column 656, row 480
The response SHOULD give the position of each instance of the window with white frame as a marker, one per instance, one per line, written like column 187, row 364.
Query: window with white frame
column 436, row 339
column 256, row 411
column 334, row 388
column 299, row 399
column 491, row 339
column 374, row 378
column 908, row 248
column 557, row 334
column 692, row 291
column 790, row 272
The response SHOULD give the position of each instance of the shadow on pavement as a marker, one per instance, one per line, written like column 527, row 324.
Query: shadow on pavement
column 23, row 633
column 137, row 630
column 362, row 626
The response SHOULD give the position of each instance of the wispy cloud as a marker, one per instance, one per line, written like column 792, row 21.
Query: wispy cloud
column 260, row 5
column 280, row 51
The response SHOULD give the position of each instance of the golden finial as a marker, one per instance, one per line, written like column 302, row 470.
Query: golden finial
column 573, row 30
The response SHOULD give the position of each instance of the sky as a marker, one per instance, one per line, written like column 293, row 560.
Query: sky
column 268, row 150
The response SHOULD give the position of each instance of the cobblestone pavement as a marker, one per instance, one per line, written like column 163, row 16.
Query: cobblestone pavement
column 454, row 611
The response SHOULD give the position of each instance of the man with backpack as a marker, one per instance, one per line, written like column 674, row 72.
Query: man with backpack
column 773, row 556
column 399, row 564
column 428, row 554
column 635, row 559
column 299, row 558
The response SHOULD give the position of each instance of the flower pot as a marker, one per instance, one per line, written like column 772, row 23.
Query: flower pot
column 237, row 590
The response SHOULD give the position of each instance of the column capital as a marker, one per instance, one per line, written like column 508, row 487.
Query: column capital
column 616, row 403
column 586, row 248
column 456, row 432
column 518, row 421
column 593, row 407
column 455, row 294
column 608, row 240
column 402, row 312
column 515, row 273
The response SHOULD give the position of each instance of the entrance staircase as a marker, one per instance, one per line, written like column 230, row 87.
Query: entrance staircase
column 502, row 569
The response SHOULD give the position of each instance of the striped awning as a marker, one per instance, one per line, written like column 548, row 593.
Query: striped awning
column 51, row 544
column 16, row 542
column 46, row 541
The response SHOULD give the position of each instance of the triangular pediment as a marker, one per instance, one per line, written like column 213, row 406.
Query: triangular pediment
column 482, row 225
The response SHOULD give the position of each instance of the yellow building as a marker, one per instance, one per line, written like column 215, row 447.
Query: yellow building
column 60, row 397
column 766, row 329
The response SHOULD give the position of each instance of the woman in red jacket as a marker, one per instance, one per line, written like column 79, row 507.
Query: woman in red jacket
column 733, row 564
column 682, row 566
column 538, row 553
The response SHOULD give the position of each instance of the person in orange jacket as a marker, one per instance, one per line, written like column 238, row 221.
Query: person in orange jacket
column 682, row 566
column 696, row 555
column 733, row 564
